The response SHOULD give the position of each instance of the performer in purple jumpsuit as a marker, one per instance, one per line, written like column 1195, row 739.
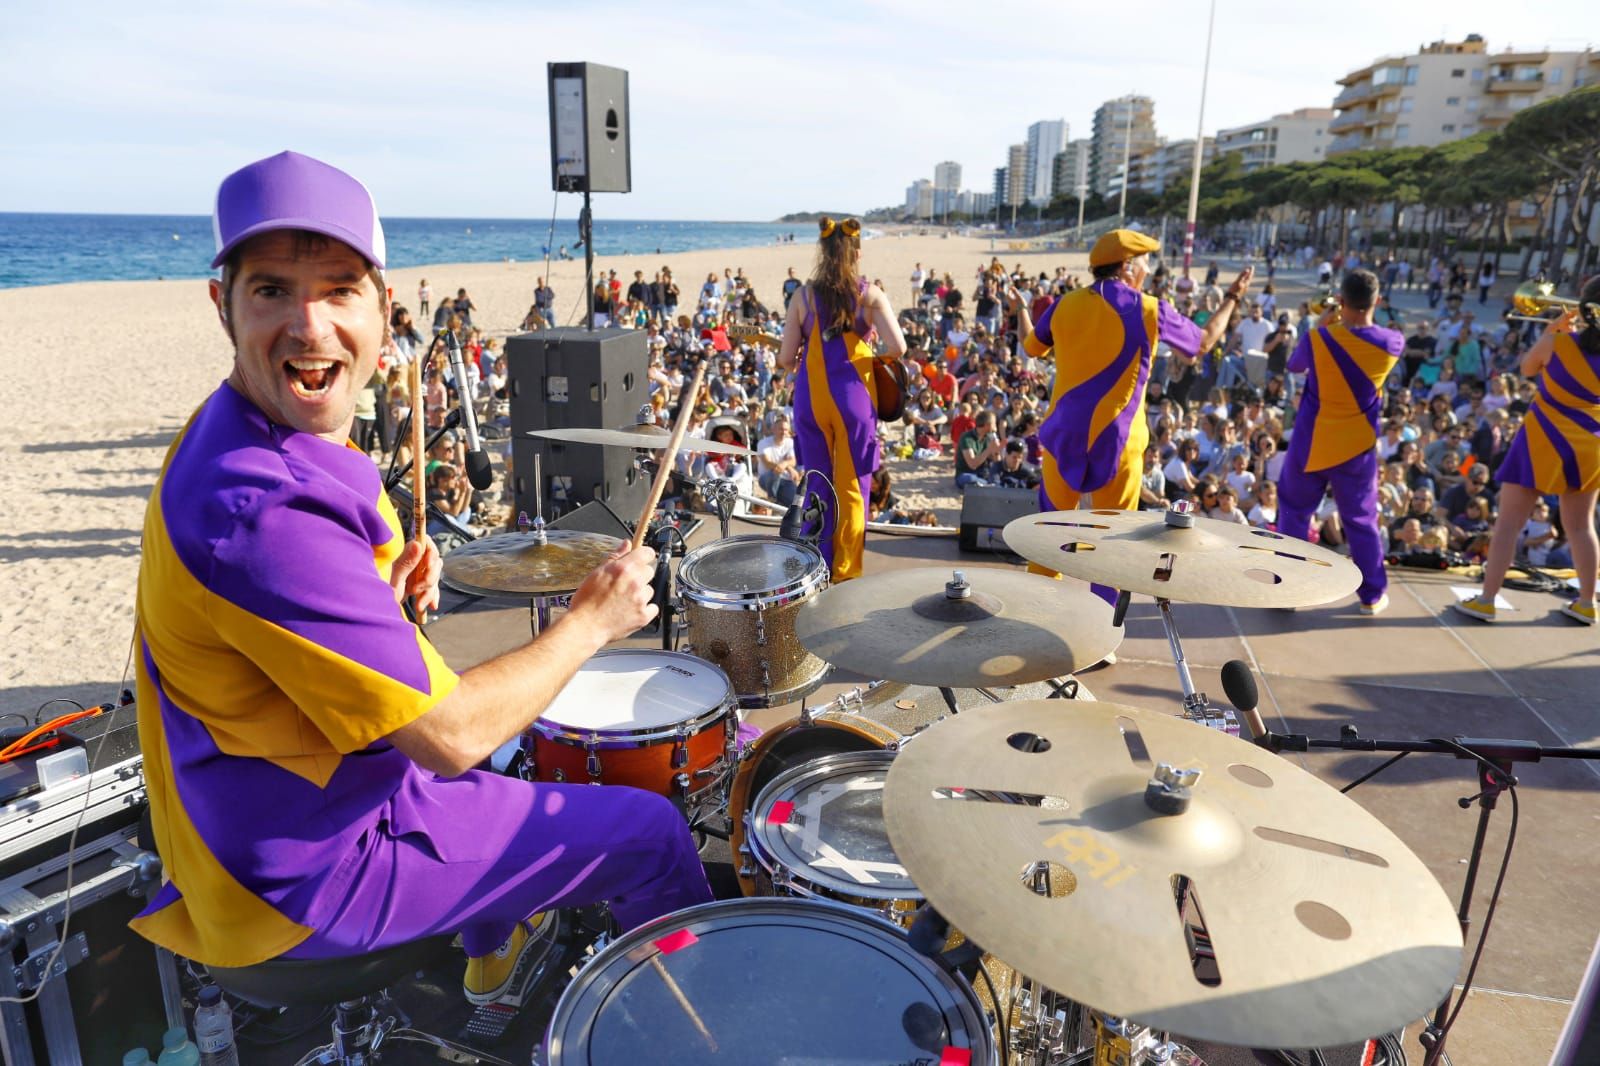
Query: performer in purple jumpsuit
column 1345, row 359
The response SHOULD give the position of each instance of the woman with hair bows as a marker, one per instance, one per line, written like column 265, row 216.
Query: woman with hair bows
column 1556, row 452
column 827, row 342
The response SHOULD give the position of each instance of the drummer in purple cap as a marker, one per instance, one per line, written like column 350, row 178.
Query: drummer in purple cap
column 309, row 756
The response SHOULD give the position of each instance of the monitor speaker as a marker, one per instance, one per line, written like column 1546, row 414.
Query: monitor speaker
column 568, row 379
column 985, row 510
column 589, row 128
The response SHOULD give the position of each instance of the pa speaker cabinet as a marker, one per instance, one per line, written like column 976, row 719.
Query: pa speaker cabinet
column 985, row 510
column 570, row 379
column 589, row 128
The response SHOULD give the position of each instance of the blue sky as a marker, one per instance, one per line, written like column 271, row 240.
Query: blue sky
column 740, row 111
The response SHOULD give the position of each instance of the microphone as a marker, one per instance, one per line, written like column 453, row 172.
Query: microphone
column 479, row 471
column 796, row 520
column 1240, row 685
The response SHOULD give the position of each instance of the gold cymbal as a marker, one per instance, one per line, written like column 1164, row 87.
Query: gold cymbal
column 517, row 566
column 648, row 437
column 1318, row 925
column 1009, row 629
column 1223, row 563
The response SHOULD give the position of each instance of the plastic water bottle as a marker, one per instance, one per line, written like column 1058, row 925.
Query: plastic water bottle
column 176, row 1049
column 213, row 1029
column 137, row 1057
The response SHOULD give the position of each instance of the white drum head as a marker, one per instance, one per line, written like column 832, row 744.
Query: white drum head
column 629, row 691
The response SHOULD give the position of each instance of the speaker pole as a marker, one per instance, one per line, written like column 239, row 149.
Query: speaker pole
column 586, row 231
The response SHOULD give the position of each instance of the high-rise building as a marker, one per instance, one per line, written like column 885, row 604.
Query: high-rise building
column 974, row 204
column 1299, row 136
column 1046, row 139
column 1122, row 127
column 1071, row 169
column 1016, row 175
column 1159, row 167
column 1445, row 91
column 946, row 184
column 919, row 198
column 1002, row 180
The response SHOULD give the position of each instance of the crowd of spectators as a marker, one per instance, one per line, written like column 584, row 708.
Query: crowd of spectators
column 1218, row 426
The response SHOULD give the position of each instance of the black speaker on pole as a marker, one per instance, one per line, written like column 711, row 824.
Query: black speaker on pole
column 589, row 128
column 575, row 378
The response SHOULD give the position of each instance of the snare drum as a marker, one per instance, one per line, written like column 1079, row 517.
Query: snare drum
column 656, row 720
column 793, row 743
column 766, row 980
column 740, row 596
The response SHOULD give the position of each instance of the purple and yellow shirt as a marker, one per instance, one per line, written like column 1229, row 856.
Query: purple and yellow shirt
column 1346, row 367
column 1104, row 336
column 1561, row 433
column 272, row 661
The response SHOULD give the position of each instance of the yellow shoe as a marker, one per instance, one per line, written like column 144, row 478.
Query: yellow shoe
column 489, row 976
column 1476, row 607
column 1580, row 611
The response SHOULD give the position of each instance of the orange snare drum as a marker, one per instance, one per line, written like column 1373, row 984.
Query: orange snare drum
column 656, row 720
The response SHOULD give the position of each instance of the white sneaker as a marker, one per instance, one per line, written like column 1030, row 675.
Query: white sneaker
column 1376, row 607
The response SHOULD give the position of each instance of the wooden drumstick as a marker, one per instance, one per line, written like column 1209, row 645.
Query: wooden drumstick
column 667, row 458
column 419, row 466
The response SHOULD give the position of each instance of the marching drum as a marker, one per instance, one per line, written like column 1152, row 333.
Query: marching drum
column 656, row 720
column 767, row 980
column 740, row 596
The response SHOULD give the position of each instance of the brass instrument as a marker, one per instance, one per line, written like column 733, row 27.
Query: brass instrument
column 1323, row 302
column 1534, row 300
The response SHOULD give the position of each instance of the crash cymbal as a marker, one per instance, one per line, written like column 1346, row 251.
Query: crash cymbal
column 649, row 437
column 913, row 626
column 1316, row 925
column 517, row 566
column 1224, row 563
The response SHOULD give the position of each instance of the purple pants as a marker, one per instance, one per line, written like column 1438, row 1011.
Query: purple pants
column 1355, row 490
column 836, row 435
column 488, row 851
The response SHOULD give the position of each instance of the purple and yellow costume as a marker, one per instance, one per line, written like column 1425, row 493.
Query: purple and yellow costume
column 1557, row 450
column 1335, row 440
column 1095, row 433
column 273, row 661
column 836, row 430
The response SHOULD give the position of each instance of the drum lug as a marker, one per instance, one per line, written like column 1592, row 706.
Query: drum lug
column 680, row 748
column 766, row 678
column 761, row 628
column 747, row 866
column 680, row 782
column 592, row 764
column 560, row 776
column 780, row 877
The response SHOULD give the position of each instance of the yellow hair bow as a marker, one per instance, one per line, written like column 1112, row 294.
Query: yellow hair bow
column 851, row 227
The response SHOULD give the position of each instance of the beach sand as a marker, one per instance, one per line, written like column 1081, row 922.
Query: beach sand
column 105, row 373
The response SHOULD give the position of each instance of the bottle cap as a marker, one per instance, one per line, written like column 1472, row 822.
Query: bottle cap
column 175, row 1037
column 210, row 996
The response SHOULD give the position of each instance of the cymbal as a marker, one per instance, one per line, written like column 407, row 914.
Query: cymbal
column 1012, row 627
column 1322, row 925
column 517, row 566
column 648, row 437
column 1224, row 563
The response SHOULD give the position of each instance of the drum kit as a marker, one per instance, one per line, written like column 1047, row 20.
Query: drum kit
column 1043, row 880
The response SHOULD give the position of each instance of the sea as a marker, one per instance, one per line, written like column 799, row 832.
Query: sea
column 47, row 249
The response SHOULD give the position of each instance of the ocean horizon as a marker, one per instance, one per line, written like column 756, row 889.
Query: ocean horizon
column 53, row 249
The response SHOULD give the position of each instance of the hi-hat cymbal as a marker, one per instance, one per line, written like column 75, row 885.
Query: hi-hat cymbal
column 1224, row 563
column 648, row 437
column 518, row 566
column 1005, row 628
column 1318, row 926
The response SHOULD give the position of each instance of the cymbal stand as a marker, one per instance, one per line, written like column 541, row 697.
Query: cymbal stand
column 723, row 494
column 1196, row 705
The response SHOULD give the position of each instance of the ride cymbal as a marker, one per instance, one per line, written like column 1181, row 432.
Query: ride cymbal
column 652, row 438
column 1207, row 561
column 518, row 566
column 1307, row 923
column 984, row 627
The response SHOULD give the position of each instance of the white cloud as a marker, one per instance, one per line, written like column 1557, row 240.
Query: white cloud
column 739, row 110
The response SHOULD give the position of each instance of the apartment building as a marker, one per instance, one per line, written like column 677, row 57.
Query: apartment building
column 1124, row 126
column 1299, row 136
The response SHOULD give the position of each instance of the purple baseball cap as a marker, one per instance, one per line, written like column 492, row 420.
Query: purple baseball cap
column 294, row 191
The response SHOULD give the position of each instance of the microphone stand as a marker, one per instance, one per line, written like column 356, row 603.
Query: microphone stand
column 1495, row 758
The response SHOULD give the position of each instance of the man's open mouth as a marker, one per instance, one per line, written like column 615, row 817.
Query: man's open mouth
column 309, row 378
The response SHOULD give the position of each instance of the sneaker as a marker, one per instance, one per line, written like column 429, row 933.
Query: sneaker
column 1377, row 606
column 1580, row 611
column 1476, row 607
column 488, row 977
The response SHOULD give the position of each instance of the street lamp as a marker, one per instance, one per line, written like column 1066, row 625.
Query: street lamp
column 1199, row 150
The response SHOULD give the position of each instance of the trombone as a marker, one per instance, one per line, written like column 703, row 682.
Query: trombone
column 1534, row 300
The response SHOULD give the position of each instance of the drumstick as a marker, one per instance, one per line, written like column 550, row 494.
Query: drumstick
column 683, row 1001
column 670, row 456
column 419, row 463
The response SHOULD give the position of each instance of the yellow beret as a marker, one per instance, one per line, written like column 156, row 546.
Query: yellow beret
column 1120, row 245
